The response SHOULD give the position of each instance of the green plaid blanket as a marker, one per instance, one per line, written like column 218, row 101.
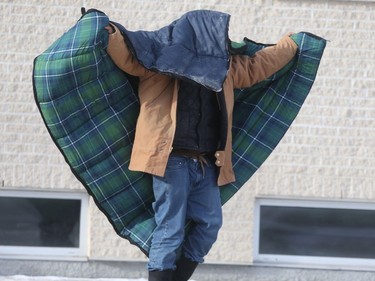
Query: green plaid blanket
column 90, row 110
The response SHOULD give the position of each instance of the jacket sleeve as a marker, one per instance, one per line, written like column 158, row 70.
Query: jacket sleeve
column 247, row 71
column 122, row 57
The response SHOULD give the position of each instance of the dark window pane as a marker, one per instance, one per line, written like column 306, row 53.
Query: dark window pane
column 39, row 222
column 305, row 231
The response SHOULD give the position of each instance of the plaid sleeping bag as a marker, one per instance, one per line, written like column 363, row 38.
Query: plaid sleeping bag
column 90, row 109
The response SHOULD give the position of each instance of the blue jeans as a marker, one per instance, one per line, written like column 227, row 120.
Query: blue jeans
column 186, row 192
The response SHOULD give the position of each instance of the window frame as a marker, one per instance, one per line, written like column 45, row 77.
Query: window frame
column 51, row 253
column 308, row 261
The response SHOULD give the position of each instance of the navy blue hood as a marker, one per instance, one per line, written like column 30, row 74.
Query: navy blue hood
column 193, row 47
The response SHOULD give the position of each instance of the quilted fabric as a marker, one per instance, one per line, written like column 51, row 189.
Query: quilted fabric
column 195, row 40
column 90, row 110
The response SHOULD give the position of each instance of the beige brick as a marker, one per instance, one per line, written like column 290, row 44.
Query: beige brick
column 328, row 152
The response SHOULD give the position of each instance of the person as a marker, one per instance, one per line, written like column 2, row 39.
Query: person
column 183, row 139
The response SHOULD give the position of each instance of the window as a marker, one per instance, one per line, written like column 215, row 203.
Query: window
column 315, row 233
column 36, row 224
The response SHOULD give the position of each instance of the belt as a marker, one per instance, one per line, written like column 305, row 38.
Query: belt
column 201, row 157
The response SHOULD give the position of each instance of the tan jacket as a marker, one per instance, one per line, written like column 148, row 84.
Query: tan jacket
column 158, row 102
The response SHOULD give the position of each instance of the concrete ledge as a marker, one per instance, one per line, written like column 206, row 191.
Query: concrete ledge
column 205, row 272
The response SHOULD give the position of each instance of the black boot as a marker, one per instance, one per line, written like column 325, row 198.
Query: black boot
column 184, row 269
column 165, row 275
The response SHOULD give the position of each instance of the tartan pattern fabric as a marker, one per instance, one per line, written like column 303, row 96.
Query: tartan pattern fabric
column 263, row 113
column 90, row 111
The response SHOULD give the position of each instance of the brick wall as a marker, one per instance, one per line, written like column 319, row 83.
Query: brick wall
column 328, row 152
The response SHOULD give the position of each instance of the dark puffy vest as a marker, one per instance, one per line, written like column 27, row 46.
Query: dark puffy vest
column 198, row 119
